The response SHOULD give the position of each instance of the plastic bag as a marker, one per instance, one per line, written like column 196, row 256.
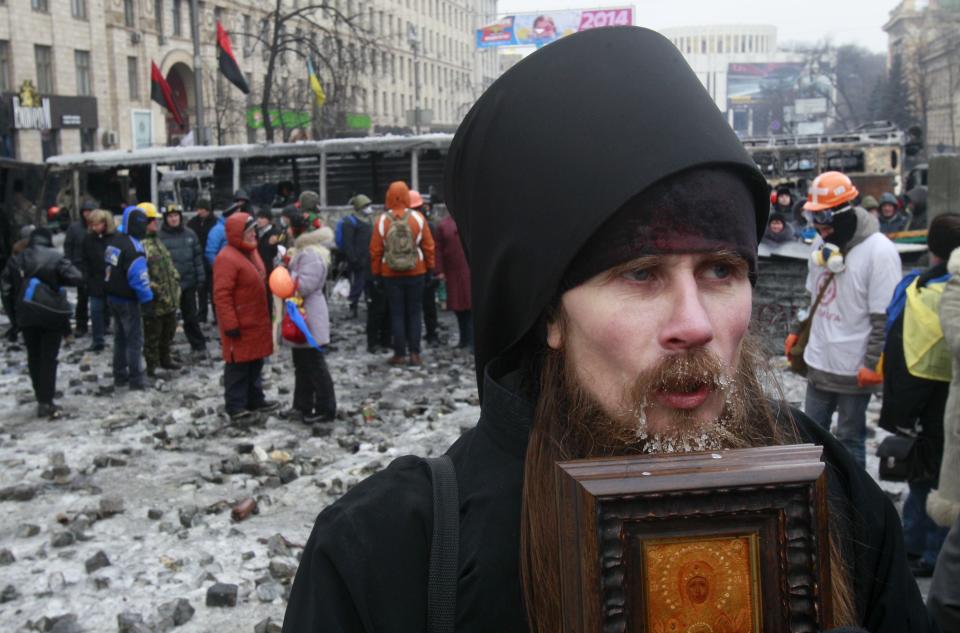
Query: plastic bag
column 341, row 289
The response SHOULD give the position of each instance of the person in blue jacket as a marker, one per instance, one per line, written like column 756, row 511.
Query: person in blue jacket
column 129, row 297
column 217, row 238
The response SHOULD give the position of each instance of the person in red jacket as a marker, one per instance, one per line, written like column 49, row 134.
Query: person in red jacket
column 399, row 260
column 240, row 300
column 452, row 268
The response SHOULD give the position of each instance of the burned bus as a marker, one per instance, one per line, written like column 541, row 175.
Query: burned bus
column 336, row 169
column 873, row 159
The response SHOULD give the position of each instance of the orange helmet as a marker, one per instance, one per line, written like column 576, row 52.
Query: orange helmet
column 828, row 190
column 416, row 200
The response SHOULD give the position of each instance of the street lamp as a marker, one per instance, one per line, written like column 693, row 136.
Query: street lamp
column 414, row 40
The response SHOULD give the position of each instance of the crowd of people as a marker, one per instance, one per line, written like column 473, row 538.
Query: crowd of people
column 870, row 329
column 789, row 221
column 152, row 273
column 627, row 333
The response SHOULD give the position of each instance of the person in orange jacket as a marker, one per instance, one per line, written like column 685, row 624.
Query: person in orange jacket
column 401, row 255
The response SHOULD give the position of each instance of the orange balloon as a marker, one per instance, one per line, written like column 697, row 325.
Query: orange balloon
column 280, row 283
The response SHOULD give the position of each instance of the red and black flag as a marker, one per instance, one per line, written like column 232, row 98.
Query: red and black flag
column 228, row 63
column 161, row 93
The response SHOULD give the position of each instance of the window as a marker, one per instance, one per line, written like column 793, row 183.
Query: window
column 177, row 17
column 6, row 78
column 78, row 9
column 82, row 61
column 49, row 143
column 133, row 78
column 158, row 11
column 44, row 57
column 88, row 139
column 40, row 5
column 129, row 13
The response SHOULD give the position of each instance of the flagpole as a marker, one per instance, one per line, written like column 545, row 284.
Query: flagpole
column 199, row 136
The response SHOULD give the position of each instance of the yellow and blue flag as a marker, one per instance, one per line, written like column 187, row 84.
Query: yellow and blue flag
column 315, row 84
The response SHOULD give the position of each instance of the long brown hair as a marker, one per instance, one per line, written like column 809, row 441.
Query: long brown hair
column 559, row 433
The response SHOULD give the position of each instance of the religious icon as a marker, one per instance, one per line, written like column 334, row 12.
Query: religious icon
column 731, row 541
column 701, row 585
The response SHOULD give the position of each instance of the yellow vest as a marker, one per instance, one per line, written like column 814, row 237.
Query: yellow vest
column 924, row 349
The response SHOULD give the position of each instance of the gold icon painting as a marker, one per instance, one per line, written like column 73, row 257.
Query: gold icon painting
column 702, row 585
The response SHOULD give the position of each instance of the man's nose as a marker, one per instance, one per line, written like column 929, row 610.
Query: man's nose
column 688, row 323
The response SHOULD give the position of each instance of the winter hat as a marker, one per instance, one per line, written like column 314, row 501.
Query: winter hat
column 398, row 196
column 944, row 235
column 172, row 208
column 41, row 236
column 241, row 194
column 265, row 213
column 88, row 205
column 309, row 201
column 360, row 202
column 889, row 198
column 26, row 230
column 783, row 189
column 777, row 216
column 203, row 203
column 869, row 202
column 699, row 210
column 524, row 165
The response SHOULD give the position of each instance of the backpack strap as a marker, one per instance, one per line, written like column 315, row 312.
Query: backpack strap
column 444, row 554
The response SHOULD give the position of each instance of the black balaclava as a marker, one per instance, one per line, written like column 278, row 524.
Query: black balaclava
column 556, row 146
column 137, row 224
column 844, row 227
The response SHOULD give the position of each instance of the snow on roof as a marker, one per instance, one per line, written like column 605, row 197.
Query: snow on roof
column 201, row 153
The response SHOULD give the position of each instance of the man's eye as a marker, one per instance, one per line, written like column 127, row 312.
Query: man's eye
column 641, row 274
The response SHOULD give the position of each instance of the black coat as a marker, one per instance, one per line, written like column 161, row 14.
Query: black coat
column 202, row 227
column 268, row 251
column 93, row 264
column 41, row 260
column 186, row 253
column 365, row 565
column 914, row 404
column 73, row 242
column 356, row 241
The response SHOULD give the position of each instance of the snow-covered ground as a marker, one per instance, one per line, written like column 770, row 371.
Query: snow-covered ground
column 150, row 479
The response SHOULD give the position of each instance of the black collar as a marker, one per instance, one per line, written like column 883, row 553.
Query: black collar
column 505, row 415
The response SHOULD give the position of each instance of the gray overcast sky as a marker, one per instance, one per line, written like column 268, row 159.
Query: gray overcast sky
column 843, row 21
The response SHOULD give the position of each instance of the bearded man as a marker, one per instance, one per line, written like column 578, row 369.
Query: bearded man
column 612, row 231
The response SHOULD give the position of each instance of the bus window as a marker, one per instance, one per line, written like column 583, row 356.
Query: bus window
column 845, row 160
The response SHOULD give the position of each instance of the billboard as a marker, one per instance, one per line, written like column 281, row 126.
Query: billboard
column 537, row 29
column 760, row 83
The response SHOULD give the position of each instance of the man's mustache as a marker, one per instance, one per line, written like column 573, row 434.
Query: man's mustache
column 681, row 373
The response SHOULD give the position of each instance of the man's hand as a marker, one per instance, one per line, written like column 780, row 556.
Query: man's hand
column 378, row 282
column 789, row 343
column 868, row 378
column 148, row 309
column 234, row 333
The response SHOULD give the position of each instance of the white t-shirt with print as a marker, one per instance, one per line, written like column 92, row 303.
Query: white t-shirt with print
column 841, row 324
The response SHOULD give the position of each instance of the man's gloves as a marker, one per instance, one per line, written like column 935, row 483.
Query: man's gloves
column 789, row 343
column 148, row 309
column 234, row 333
column 868, row 378
column 377, row 282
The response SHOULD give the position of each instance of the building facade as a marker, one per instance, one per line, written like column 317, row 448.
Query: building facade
column 925, row 36
column 75, row 75
column 762, row 89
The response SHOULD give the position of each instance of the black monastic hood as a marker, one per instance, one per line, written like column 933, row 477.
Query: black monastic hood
column 556, row 146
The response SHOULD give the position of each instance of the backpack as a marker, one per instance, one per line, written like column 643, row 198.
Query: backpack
column 401, row 250
column 338, row 234
column 42, row 306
